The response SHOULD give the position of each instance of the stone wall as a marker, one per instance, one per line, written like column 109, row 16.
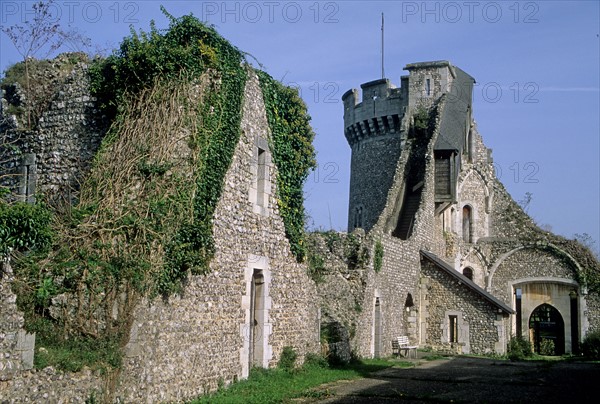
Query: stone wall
column 19, row 382
column 481, row 329
column 527, row 263
column 185, row 347
column 256, row 300
column 53, row 155
column 372, row 162
column 52, row 386
column 340, row 284
column 395, row 286
column 16, row 345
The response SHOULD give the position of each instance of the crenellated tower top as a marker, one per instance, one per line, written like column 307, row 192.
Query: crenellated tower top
column 376, row 126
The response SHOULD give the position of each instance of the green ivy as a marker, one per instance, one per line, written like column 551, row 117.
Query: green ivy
column 187, row 47
column 378, row 256
column 114, row 256
column 24, row 227
column 293, row 154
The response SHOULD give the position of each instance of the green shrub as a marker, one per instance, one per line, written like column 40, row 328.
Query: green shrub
column 316, row 267
column 591, row 345
column 287, row 361
column 547, row 347
column 315, row 360
column 519, row 348
column 24, row 226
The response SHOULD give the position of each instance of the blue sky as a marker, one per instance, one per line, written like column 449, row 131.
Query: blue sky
column 536, row 63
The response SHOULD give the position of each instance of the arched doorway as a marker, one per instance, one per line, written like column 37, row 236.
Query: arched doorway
column 547, row 330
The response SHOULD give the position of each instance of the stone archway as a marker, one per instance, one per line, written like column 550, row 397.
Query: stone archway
column 547, row 330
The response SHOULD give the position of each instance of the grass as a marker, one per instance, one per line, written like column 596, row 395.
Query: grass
column 74, row 353
column 278, row 385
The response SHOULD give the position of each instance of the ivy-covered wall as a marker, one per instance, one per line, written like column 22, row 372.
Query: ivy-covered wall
column 148, row 237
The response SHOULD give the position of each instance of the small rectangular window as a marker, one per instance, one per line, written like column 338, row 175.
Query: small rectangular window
column 428, row 87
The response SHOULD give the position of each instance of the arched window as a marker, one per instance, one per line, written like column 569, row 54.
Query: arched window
column 467, row 224
column 409, row 302
column 468, row 272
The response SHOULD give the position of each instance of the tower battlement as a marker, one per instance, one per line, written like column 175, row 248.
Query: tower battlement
column 378, row 113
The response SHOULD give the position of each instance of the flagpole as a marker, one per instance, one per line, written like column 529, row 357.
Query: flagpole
column 382, row 70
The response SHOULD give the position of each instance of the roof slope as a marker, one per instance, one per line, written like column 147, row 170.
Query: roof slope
column 466, row 281
column 456, row 114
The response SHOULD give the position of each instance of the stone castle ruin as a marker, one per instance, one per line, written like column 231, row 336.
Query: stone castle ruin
column 456, row 264
column 436, row 248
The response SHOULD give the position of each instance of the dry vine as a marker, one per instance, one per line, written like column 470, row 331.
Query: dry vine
column 140, row 190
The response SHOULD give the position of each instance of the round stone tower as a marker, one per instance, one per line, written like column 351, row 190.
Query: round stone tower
column 376, row 129
column 373, row 130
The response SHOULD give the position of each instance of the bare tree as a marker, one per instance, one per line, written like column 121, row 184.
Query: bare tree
column 42, row 32
column 587, row 241
column 527, row 198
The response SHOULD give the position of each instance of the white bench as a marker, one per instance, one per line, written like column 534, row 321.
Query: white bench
column 402, row 343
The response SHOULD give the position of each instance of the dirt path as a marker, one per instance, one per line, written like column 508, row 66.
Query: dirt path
column 463, row 379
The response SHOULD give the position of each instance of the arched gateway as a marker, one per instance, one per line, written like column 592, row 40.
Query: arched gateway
column 547, row 330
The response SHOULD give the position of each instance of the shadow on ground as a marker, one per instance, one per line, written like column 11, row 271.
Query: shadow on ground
column 463, row 379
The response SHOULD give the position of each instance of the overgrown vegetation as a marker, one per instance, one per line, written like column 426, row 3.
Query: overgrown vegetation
column 420, row 131
column 316, row 266
column 356, row 253
column 287, row 360
column 24, row 227
column 144, row 217
column 72, row 354
column 378, row 256
column 519, row 348
column 590, row 346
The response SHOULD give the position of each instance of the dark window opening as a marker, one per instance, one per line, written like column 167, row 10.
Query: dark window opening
column 443, row 177
column 468, row 272
column 428, row 87
column 470, row 146
column 360, row 217
column 409, row 301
